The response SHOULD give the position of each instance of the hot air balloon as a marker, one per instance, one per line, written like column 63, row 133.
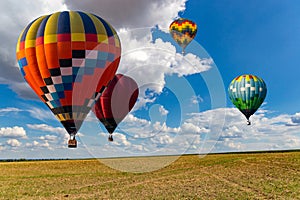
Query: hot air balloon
column 116, row 102
column 183, row 32
column 68, row 58
column 247, row 93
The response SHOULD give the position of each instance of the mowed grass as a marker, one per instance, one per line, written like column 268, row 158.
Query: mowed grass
column 222, row 176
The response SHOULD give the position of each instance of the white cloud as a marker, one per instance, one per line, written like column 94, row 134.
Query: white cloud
column 231, row 132
column 35, row 112
column 196, row 99
column 121, row 140
column 15, row 15
column 149, row 62
column 13, row 143
column 49, row 137
column 41, row 114
column 13, row 132
column 10, row 109
column 228, row 144
column 265, row 133
column 139, row 49
column 47, row 128
column 35, row 144
column 162, row 110
column 132, row 13
column 295, row 120
column 131, row 119
column 60, row 138
column 206, row 130
column 162, row 140
column 191, row 128
column 162, row 127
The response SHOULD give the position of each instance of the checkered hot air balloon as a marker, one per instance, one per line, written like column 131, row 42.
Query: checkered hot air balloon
column 183, row 32
column 68, row 58
column 116, row 102
column 247, row 93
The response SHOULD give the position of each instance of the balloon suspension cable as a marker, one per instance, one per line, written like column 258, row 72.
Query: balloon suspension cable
column 183, row 51
column 72, row 136
column 248, row 122
column 110, row 137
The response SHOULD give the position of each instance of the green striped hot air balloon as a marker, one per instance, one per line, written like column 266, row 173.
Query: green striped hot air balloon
column 247, row 93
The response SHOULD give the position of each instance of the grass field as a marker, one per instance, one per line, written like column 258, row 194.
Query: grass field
column 220, row 176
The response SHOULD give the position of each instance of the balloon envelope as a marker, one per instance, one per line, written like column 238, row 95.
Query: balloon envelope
column 183, row 31
column 247, row 93
column 116, row 101
column 67, row 51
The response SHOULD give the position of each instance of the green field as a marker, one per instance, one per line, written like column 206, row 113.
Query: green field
column 220, row 176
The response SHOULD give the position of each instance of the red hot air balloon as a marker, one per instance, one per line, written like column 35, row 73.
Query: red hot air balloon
column 116, row 102
column 62, row 56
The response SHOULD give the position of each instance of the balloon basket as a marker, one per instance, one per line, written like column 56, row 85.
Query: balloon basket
column 110, row 138
column 72, row 143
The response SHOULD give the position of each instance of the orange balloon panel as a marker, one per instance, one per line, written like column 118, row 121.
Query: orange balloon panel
column 68, row 58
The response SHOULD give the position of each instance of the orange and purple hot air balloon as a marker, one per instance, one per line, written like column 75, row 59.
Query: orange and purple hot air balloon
column 116, row 102
column 68, row 58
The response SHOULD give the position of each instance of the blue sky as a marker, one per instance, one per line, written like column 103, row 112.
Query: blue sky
column 259, row 37
column 183, row 105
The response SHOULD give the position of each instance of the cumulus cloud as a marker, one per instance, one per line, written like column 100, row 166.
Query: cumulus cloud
column 129, row 17
column 13, row 132
column 15, row 15
column 13, row 143
column 60, row 138
column 294, row 120
column 191, row 128
column 204, row 132
column 231, row 145
column 196, row 99
column 149, row 62
column 35, row 144
column 163, row 140
column 121, row 140
column 156, row 137
column 159, row 127
column 132, row 13
column 142, row 55
column 49, row 137
column 162, row 110
column 47, row 128
column 265, row 133
column 131, row 119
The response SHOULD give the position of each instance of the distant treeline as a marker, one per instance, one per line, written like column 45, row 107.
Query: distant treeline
column 238, row 152
column 39, row 159
column 254, row 152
